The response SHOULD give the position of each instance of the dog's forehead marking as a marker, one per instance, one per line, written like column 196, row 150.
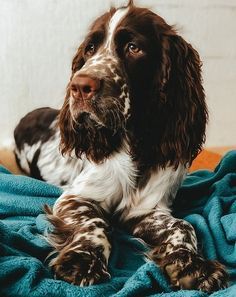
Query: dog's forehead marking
column 105, row 55
column 114, row 22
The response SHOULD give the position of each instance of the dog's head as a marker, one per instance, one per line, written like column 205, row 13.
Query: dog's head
column 134, row 75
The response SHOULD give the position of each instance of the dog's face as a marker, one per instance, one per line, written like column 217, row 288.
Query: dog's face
column 132, row 70
column 116, row 63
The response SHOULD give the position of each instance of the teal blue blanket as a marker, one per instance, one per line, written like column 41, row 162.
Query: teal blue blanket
column 206, row 199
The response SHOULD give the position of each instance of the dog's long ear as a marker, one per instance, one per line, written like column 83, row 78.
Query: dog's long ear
column 130, row 3
column 182, row 93
column 78, row 60
column 65, row 122
column 77, row 63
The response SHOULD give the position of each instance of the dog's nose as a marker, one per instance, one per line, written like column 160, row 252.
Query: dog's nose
column 84, row 87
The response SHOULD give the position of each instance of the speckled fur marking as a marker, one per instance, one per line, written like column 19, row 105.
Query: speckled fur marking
column 82, row 247
column 174, row 249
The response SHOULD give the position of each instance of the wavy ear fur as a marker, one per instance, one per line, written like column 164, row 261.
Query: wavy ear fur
column 183, row 99
column 68, row 139
column 78, row 60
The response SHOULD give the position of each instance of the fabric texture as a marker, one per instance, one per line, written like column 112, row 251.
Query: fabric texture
column 206, row 199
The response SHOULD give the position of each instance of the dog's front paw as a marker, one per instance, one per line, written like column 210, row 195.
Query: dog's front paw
column 81, row 268
column 187, row 270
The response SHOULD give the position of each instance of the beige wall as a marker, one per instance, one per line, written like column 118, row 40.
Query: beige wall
column 39, row 38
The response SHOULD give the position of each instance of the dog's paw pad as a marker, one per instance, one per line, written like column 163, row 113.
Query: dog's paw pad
column 80, row 268
column 193, row 272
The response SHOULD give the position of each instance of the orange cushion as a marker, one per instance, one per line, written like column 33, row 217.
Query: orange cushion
column 206, row 160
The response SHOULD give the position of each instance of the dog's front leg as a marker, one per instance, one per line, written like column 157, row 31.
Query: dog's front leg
column 174, row 249
column 80, row 238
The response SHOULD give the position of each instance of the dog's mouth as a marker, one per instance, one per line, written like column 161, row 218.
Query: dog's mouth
column 99, row 112
column 83, row 117
column 84, row 113
column 81, row 105
column 87, row 119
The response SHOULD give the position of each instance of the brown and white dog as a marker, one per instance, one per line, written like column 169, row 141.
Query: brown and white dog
column 133, row 120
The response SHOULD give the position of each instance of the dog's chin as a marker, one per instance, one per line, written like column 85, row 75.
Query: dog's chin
column 87, row 119
column 83, row 117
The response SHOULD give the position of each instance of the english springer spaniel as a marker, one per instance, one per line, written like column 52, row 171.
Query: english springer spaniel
column 133, row 120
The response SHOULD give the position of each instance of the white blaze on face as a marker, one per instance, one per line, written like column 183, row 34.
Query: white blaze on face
column 100, row 58
column 105, row 61
column 114, row 22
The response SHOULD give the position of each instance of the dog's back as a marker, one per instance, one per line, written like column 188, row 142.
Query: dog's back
column 37, row 148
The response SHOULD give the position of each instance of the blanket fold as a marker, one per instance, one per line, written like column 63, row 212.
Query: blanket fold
column 206, row 199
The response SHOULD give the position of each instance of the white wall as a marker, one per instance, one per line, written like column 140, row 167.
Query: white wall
column 38, row 39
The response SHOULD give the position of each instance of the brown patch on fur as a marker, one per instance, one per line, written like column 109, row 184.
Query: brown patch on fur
column 187, row 270
column 81, row 249
column 173, row 248
column 81, row 268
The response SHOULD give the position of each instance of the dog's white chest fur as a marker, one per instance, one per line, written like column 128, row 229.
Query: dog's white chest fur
column 113, row 185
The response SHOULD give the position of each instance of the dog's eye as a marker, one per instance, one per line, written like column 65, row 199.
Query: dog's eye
column 133, row 49
column 90, row 49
